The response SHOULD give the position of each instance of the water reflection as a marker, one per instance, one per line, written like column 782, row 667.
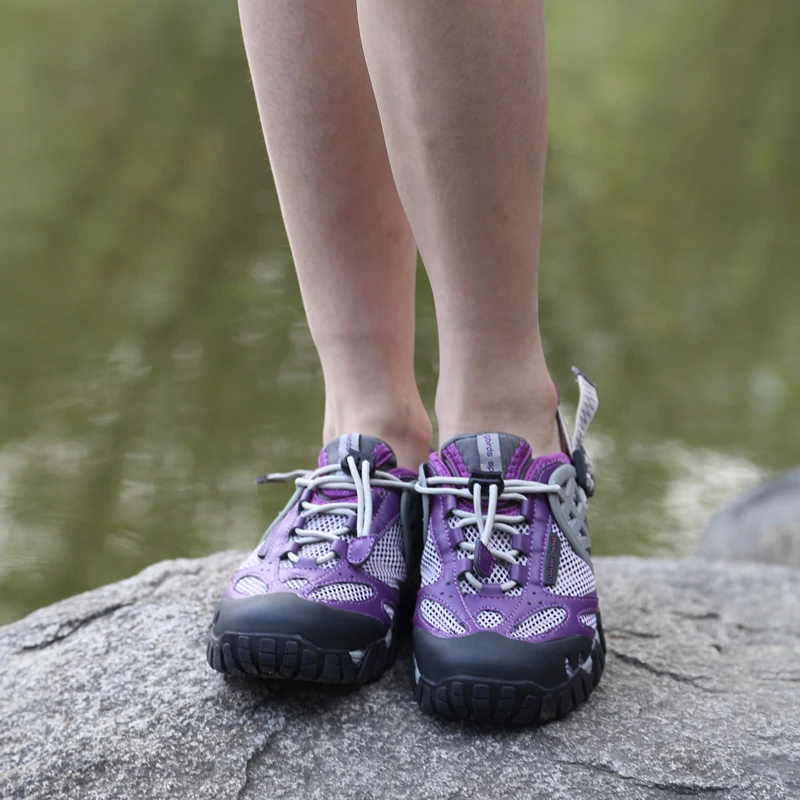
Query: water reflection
column 153, row 350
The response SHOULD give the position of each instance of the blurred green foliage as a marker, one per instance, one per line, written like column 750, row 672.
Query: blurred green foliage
column 153, row 350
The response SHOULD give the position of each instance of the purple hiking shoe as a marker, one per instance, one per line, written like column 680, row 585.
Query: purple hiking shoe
column 318, row 599
column 507, row 626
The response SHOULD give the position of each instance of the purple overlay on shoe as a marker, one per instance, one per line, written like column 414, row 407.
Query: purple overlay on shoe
column 340, row 540
column 507, row 545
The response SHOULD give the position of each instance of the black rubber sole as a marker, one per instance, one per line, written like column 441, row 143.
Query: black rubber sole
column 291, row 657
column 508, row 702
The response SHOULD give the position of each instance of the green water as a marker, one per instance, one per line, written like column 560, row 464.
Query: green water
column 153, row 351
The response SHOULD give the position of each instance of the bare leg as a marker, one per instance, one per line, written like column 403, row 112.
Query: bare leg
column 350, row 239
column 462, row 93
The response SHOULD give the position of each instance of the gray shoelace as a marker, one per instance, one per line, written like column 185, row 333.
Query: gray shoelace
column 514, row 492
column 332, row 477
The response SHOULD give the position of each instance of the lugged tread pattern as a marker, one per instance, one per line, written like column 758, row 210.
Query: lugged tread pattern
column 499, row 702
column 294, row 658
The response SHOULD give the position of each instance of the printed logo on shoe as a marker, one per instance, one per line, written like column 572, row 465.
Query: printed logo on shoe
column 489, row 452
column 553, row 557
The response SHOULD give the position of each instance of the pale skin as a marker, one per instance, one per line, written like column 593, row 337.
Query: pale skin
column 393, row 125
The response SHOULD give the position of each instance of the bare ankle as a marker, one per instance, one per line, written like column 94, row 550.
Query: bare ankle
column 517, row 408
column 402, row 423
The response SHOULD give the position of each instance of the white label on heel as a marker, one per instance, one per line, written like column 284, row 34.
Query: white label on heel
column 489, row 452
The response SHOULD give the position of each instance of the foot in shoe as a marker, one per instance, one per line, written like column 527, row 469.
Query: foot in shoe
column 318, row 599
column 507, row 625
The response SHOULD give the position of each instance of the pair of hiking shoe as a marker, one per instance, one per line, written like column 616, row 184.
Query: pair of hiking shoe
column 489, row 546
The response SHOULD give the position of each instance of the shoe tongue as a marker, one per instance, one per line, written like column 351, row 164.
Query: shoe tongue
column 504, row 453
column 338, row 448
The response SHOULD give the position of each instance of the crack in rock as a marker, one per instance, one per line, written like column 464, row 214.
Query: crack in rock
column 695, row 617
column 66, row 629
column 74, row 625
column 633, row 634
column 257, row 753
column 676, row 787
column 255, row 757
column 662, row 673
column 161, row 580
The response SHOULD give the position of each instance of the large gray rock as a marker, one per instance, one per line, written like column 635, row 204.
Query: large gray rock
column 107, row 695
column 762, row 524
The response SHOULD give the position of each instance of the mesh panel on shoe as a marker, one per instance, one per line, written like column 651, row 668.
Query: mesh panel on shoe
column 575, row 577
column 437, row 616
column 348, row 592
column 251, row 561
column 295, row 583
column 588, row 619
column 499, row 541
column 386, row 562
column 250, row 585
column 327, row 523
column 431, row 567
column 539, row 623
column 489, row 619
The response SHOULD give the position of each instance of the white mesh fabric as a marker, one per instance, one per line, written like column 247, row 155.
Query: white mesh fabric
column 386, row 561
column 588, row 619
column 575, row 577
column 295, row 583
column 251, row 561
column 250, row 585
column 539, row 623
column 431, row 567
column 499, row 541
column 437, row 616
column 327, row 523
column 348, row 592
column 489, row 619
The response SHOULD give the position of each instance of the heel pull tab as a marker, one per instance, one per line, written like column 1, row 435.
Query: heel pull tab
column 573, row 445
column 587, row 408
column 588, row 403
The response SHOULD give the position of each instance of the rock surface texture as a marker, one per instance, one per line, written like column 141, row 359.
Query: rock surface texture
column 760, row 525
column 108, row 695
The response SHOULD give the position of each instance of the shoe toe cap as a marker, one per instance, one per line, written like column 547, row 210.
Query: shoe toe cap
column 286, row 614
column 491, row 656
